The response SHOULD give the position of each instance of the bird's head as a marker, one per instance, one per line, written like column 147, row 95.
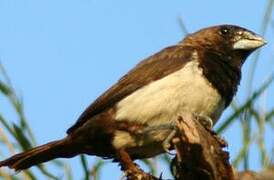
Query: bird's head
column 234, row 43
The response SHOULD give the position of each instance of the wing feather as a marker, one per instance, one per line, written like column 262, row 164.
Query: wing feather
column 151, row 69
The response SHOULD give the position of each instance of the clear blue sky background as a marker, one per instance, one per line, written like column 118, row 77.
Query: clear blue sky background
column 62, row 54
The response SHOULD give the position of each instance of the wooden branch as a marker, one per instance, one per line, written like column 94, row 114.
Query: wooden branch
column 267, row 174
column 200, row 153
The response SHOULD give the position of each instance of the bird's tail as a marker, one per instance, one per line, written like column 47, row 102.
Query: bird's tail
column 56, row 149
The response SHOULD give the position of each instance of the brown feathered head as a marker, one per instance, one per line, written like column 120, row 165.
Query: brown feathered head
column 230, row 41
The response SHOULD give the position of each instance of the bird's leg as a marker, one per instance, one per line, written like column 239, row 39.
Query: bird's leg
column 146, row 131
column 166, row 143
column 170, row 126
column 125, row 161
column 206, row 121
column 167, row 126
column 131, row 170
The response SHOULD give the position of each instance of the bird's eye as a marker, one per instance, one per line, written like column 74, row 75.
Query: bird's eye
column 224, row 31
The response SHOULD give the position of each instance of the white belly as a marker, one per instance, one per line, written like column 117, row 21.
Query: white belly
column 164, row 100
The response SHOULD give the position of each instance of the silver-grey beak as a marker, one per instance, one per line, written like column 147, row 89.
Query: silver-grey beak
column 249, row 41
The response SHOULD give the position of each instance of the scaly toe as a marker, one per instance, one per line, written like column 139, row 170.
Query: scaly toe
column 206, row 121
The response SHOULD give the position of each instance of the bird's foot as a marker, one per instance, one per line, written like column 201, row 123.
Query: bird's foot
column 206, row 121
column 168, row 126
column 132, row 170
column 167, row 142
column 126, row 161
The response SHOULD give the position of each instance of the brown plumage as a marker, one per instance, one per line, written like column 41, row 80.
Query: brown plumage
column 199, row 75
column 37, row 155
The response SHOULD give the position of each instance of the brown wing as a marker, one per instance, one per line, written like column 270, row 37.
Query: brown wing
column 153, row 68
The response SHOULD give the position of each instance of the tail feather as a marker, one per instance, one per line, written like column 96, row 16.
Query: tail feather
column 56, row 149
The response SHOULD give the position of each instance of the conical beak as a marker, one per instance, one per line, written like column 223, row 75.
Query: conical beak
column 248, row 41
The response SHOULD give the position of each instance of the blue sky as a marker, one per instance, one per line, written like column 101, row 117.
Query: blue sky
column 61, row 54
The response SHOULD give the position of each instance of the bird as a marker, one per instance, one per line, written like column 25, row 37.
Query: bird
column 133, row 118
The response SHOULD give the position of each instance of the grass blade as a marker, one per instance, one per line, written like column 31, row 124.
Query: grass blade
column 246, row 105
column 85, row 167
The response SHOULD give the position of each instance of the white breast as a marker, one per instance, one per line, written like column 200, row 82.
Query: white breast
column 162, row 100
column 186, row 90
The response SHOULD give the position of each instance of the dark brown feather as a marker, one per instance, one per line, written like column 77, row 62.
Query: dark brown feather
column 224, row 77
column 153, row 68
column 40, row 154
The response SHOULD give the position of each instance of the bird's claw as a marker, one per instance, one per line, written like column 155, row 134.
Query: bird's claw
column 167, row 142
column 206, row 121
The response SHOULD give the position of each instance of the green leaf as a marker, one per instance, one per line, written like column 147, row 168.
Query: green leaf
column 5, row 89
column 85, row 166
column 46, row 173
column 242, row 108
column 98, row 165
column 21, row 138
column 269, row 115
column 151, row 165
column 6, row 125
